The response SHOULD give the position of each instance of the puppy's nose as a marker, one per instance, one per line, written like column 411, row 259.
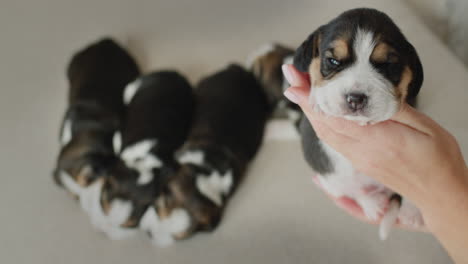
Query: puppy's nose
column 356, row 101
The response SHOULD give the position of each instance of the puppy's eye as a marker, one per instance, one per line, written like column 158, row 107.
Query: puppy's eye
column 334, row 62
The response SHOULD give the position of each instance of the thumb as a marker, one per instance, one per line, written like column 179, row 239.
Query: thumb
column 295, row 77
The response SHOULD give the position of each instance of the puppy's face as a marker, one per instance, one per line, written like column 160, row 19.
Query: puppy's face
column 121, row 186
column 201, row 185
column 80, row 164
column 361, row 67
column 182, row 194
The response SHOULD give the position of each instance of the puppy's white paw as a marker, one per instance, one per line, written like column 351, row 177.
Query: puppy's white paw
column 410, row 215
column 119, row 233
column 373, row 204
column 364, row 123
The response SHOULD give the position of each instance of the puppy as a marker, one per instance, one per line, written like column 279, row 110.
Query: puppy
column 266, row 64
column 160, row 110
column 231, row 111
column 97, row 76
column 362, row 69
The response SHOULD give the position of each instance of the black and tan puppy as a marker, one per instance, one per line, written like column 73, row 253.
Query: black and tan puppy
column 266, row 64
column 97, row 76
column 363, row 69
column 231, row 111
column 158, row 120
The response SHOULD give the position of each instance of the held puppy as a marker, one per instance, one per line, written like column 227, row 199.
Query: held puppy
column 159, row 115
column 265, row 64
column 231, row 111
column 363, row 69
column 97, row 76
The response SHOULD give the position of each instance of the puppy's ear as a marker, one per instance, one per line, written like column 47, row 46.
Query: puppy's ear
column 416, row 68
column 308, row 50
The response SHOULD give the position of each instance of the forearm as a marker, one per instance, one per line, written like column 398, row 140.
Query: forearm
column 446, row 216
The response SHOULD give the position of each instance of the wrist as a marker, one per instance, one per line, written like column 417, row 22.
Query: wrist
column 446, row 203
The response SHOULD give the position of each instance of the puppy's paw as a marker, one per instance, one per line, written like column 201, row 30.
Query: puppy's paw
column 364, row 123
column 119, row 233
column 410, row 215
column 374, row 204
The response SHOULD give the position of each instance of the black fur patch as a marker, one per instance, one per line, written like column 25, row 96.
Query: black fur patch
column 313, row 150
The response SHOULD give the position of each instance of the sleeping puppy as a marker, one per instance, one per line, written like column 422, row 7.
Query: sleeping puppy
column 159, row 115
column 266, row 64
column 362, row 69
column 97, row 76
column 231, row 111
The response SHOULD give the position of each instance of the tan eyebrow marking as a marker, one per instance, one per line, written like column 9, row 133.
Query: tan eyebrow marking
column 340, row 49
column 381, row 52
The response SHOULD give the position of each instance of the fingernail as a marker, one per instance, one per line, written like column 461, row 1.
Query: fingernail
column 291, row 96
column 287, row 74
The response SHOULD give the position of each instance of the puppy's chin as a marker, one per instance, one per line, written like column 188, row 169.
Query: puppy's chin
column 380, row 108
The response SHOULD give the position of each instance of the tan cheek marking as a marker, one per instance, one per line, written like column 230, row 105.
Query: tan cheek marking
column 163, row 210
column 129, row 223
column 83, row 176
column 204, row 217
column 315, row 75
column 187, row 233
column 182, row 235
column 105, row 206
column 81, row 180
column 340, row 49
column 402, row 87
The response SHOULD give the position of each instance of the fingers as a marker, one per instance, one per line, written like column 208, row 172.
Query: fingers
column 295, row 77
column 299, row 95
column 351, row 207
column 416, row 120
column 300, row 82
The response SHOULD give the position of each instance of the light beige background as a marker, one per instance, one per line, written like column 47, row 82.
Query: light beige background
column 278, row 216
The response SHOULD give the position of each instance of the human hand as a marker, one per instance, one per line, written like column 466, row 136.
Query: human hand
column 410, row 153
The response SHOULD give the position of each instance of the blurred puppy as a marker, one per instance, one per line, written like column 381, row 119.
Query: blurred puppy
column 97, row 76
column 363, row 69
column 231, row 111
column 265, row 63
column 158, row 120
